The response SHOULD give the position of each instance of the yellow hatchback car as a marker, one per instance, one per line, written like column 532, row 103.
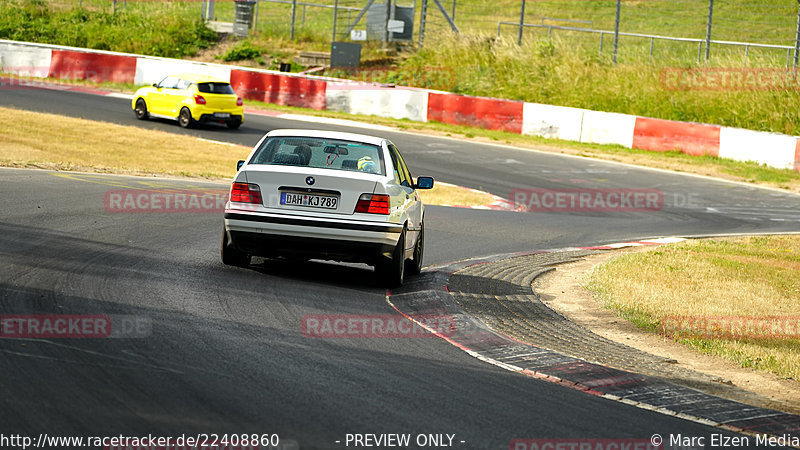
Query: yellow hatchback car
column 190, row 99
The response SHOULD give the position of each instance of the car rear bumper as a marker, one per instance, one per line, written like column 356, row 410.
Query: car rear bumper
column 286, row 235
column 213, row 118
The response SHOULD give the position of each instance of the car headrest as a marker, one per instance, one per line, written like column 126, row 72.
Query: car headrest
column 286, row 158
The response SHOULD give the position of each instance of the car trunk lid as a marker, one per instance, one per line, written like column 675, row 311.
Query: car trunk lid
column 309, row 191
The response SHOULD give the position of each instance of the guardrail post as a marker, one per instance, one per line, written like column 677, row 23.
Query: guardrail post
column 708, row 28
column 616, row 33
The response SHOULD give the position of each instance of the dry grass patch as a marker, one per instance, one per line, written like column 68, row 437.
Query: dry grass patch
column 450, row 194
column 741, row 277
column 65, row 143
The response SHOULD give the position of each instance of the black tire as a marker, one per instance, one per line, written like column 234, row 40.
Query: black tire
column 141, row 110
column 185, row 118
column 230, row 255
column 415, row 265
column 234, row 124
column 391, row 272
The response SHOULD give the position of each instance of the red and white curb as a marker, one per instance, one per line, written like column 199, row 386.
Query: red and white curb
column 480, row 341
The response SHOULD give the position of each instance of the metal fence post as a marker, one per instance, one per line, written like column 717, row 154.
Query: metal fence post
column 746, row 52
column 797, row 37
column 386, row 18
column 335, row 11
column 708, row 28
column 294, row 15
column 616, row 32
column 423, row 12
column 255, row 17
column 521, row 22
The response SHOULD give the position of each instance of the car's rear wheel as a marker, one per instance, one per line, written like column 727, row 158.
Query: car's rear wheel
column 231, row 255
column 415, row 265
column 391, row 272
column 234, row 124
column 141, row 109
column 185, row 118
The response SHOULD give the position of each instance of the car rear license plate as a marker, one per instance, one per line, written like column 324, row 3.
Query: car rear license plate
column 222, row 115
column 310, row 200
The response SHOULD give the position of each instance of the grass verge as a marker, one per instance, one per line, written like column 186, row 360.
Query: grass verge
column 150, row 28
column 64, row 143
column 707, row 280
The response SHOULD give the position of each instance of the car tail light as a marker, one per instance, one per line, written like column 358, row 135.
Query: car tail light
column 373, row 204
column 246, row 193
column 239, row 101
column 199, row 99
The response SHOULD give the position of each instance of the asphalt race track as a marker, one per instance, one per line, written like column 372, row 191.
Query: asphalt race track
column 226, row 354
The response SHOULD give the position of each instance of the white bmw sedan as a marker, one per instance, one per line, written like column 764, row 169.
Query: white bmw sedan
column 304, row 194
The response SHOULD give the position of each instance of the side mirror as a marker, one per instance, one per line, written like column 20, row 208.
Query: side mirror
column 155, row 85
column 239, row 164
column 424, row 183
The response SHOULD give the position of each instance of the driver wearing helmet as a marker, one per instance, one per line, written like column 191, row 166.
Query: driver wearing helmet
column 366, row 164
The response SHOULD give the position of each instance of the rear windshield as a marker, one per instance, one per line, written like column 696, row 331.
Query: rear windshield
column 215, row 88
column 321, row 153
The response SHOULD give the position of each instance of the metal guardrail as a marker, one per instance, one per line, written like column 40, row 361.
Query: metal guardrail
column 654, row 37
column 206, row 11
column 556, row 19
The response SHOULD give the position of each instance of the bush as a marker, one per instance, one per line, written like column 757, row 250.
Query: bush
column 243, row 50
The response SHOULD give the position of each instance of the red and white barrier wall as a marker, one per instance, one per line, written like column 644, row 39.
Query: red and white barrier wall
column 573, row 124
column 377, row 100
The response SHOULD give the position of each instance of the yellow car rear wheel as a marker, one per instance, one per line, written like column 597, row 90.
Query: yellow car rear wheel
column 185, row 119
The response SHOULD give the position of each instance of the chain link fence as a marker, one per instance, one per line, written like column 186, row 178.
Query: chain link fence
column 754, row 32
column 722, row 32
